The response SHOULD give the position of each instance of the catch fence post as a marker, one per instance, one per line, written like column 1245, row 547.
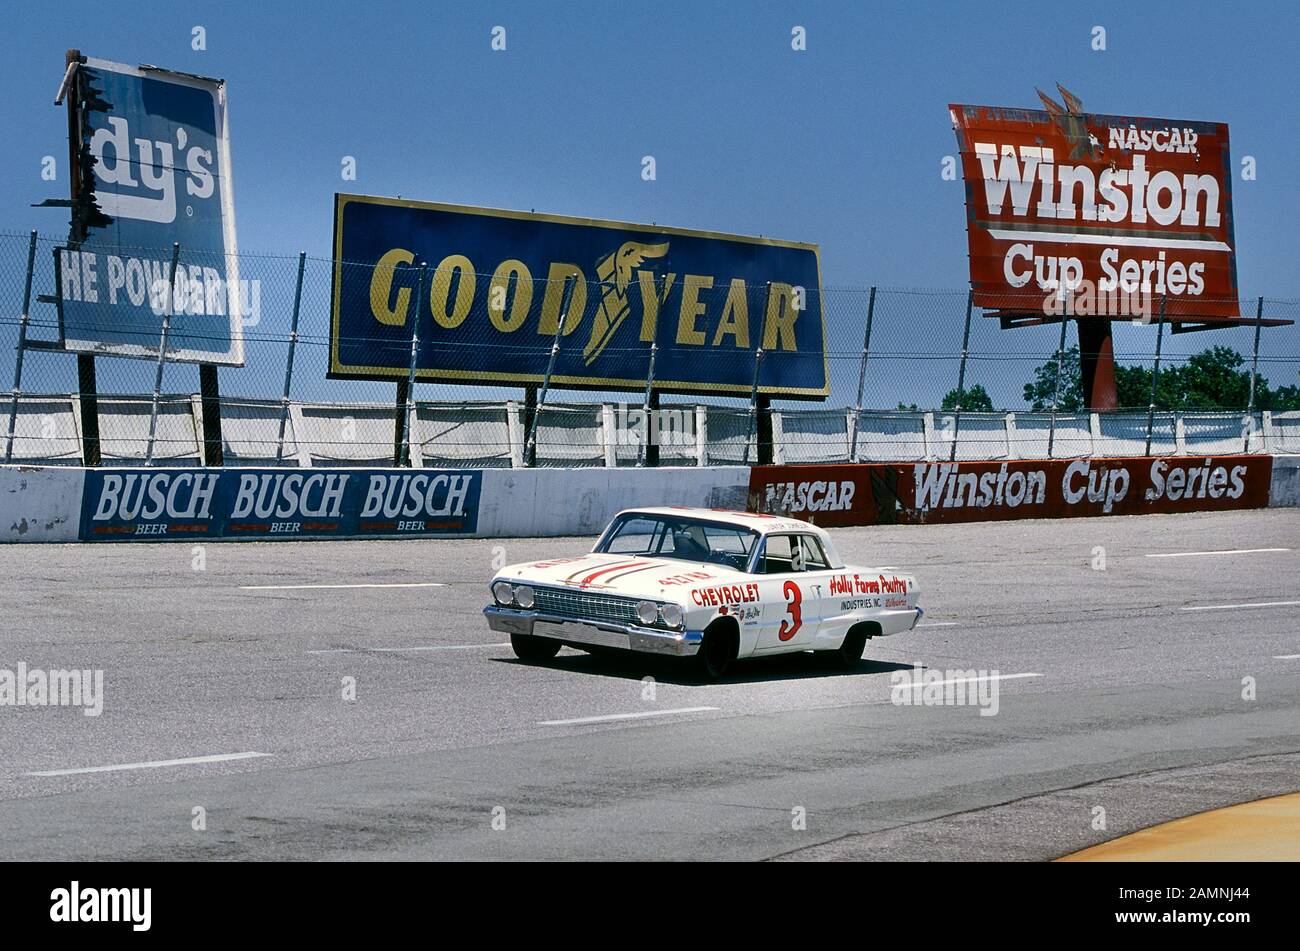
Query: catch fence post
column 162, row 355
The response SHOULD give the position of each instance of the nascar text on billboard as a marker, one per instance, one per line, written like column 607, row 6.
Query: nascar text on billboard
column 125, row 504
column 160, row 174
column 1131, row 208
column 881, row 493
column 496, row 282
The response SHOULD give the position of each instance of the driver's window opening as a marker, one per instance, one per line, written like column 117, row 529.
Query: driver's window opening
column 783, row 554
column 778, row 555
column 814, row 557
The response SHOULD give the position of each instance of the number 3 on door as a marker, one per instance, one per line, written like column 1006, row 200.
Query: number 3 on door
column 792, row 624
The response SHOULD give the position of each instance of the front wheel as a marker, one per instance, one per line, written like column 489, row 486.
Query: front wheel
column 715, row 655
column 534, row 649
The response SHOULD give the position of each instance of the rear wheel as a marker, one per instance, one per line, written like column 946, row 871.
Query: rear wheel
column 849, row 654
column 534, row 649
column 717, row 651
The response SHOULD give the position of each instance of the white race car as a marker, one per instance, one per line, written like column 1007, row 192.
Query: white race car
column 708, row 585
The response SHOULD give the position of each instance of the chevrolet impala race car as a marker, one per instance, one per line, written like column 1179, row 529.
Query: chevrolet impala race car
column 707, row 585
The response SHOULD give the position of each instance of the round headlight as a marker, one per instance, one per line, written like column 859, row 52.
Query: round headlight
column 648, row 612
column 672, row 614
column 503, row 592
column 524, row 596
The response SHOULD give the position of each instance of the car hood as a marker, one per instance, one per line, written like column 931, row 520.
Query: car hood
column 665, row 579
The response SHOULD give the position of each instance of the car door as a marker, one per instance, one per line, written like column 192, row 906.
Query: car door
column 791, row 596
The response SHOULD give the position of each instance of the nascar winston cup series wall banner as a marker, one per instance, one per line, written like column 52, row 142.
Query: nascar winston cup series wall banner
column 497, row 283
column 159, row 172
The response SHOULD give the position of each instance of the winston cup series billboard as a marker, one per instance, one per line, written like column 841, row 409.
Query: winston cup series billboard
column 498, row 282
column 158, row 155
column 1119, row 204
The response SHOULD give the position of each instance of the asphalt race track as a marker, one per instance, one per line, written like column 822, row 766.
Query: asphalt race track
column 1135, row 705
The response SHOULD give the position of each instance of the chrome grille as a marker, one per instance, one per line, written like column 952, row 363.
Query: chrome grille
column 585, row 605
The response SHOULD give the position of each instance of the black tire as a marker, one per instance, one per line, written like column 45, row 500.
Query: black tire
column 535, row 650
column 717, row 651
column 849, row 654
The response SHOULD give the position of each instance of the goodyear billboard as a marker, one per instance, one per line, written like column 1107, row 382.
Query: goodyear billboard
column 156, row 156
column 497, row 284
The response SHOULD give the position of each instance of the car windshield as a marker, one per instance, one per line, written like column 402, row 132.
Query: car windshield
column 686, row 539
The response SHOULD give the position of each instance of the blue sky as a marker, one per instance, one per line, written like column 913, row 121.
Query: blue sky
column 840, row 145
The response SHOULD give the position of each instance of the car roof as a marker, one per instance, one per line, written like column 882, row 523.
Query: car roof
column 763, row 524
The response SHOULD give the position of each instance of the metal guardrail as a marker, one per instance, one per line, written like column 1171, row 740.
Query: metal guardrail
column 140, row 430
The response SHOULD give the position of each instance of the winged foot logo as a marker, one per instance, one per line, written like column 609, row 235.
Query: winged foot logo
column 615, row 274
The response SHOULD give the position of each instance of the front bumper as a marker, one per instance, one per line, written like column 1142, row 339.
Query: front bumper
column 593, row 633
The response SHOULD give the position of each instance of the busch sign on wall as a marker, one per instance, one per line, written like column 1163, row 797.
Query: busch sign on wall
column 1132, row 206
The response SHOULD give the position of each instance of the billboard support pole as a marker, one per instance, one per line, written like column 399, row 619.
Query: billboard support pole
column 862, row 376
column 406, row 393
column 288, row 363
column 530, row 414
column 961, row 375
column 645, row 452
column 1056, row 390
column 1155, row 373
column 763, row 416
column 530, row 448
column 210, row 400
column 22, row 344
column 162, row 355
column 1254, row 370
column 87, row 392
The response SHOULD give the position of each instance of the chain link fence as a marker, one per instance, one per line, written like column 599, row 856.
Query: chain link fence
column 909, row 374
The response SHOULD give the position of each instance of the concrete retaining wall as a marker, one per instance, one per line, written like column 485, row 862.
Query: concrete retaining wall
column 44, row 504
column 1285, row 490
column 543, row 502
column 40, row 504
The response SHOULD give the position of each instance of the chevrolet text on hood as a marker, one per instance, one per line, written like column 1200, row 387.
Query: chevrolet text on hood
column 705, row 584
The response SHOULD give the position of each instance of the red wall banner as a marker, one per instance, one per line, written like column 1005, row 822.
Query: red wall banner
column 1129, row 205
column 884, row 493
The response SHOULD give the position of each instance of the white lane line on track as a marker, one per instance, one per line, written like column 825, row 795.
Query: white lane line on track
column 610, row 717
column 403, row 650
column 961, row 680
column 1225, row 551
column 1286, row 656
column 937, row 624
column 1230, row 607
column 299, row 587
column 153, row 764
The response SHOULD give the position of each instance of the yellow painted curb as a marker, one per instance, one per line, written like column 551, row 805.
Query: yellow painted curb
column 1267, row 830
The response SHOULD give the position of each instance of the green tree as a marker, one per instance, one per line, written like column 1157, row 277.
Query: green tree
column 976, row 400
column 1214, row 379
column 1040, row 392
column 1278, row 401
